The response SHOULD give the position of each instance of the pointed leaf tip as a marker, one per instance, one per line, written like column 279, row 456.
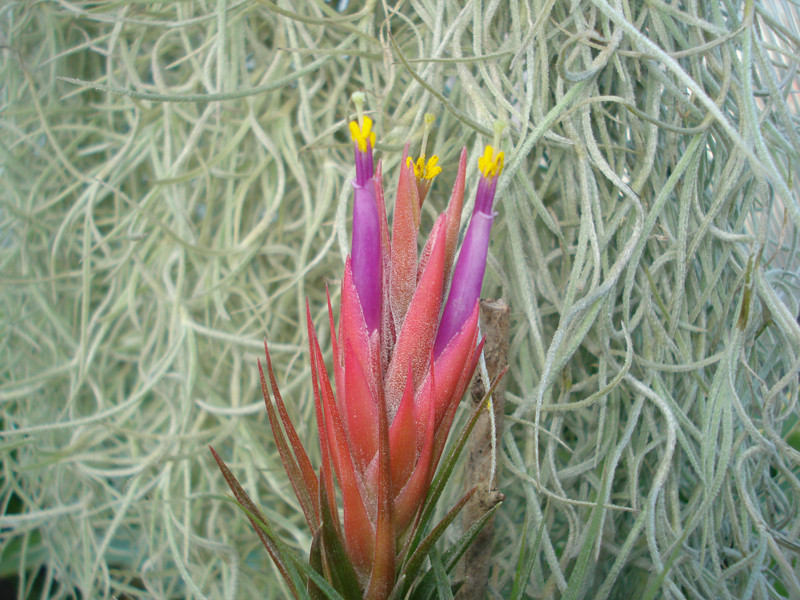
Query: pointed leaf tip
column 454, row 208
column 295, row 461
column 257, row 520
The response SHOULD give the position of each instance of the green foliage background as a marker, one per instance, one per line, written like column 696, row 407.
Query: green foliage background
column 174, row 185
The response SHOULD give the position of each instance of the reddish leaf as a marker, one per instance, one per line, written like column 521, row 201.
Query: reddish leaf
column 413, row 493
column 450, row 413
column 403, row 438
column 449, row 370
column 299, row 484
column 257, row 520
column 405, row 225
column 382, row 576
column 338, row 369
column 415, row 339
column 454, row 214
column 352, row 326
column 361, row 410
column 301, row 473
column 325, row 472
column 358, row 530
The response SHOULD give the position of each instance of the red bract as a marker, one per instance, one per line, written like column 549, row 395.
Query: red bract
column 398, row 376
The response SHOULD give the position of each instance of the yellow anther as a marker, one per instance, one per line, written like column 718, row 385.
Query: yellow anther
column 425, row 170
column 491, row 163
column 363, row 133
column 432, row 168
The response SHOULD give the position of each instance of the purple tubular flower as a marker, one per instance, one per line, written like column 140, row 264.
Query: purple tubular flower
column 366, row 252
column 365, row 165
column 365, row 249
column 465, row 287
column 467, row 279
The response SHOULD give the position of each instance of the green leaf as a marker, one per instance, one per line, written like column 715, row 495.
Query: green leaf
column 440, row 575
column 525, row 562
column 343, row 575
column 456, row 551
column 26, row 547
column 445, row 470
column 413, row 564
column 285, row 557
column 297, row 562
column 264, row 531
column 793, row 439
column 315, row 560
column 451, row 556
column 295, row 460
column 418, row 549
column 578, row 575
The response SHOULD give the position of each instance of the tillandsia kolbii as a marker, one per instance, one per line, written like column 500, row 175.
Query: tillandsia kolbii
column 402, row 360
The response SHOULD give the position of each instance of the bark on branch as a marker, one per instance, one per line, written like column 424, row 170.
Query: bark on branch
column 476, row 565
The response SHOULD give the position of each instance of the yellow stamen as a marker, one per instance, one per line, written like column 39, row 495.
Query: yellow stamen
column 425, row 170
column 362, row 133
column 431, row 168
column 491, row 163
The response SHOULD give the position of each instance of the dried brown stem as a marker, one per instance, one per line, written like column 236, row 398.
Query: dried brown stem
column 477, row 559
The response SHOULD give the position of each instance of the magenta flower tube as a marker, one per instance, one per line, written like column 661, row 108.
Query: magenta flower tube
column 365, row 249
column 465, row 287
column 365, row 252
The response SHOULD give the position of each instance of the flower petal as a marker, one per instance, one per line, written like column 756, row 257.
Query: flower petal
column 365, row 252
column 465, row 288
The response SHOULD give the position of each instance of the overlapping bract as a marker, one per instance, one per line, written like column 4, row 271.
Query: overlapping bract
column 398, row 373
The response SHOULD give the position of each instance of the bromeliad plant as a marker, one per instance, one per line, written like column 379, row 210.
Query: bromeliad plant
column 401, row 362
